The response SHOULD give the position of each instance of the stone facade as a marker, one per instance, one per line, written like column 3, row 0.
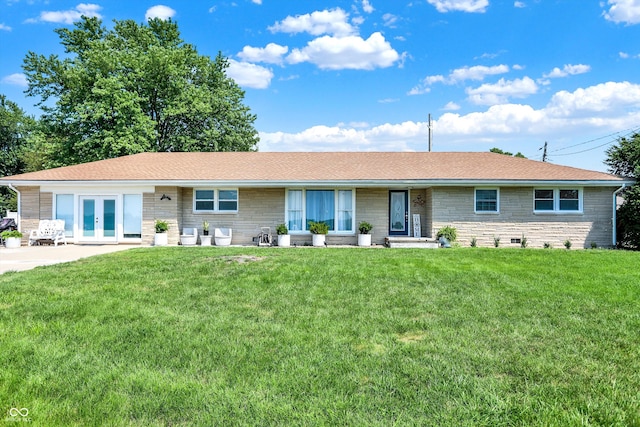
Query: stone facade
column 454, row 206
column 437, row 207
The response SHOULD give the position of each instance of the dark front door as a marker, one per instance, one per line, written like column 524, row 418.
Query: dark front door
column 398, row 213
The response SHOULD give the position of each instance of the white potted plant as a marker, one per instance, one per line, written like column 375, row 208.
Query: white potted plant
column 205, row 239
column 284, row 239
column 12, row 239
column 319, row 231
column 364, row 238
column 162, row 237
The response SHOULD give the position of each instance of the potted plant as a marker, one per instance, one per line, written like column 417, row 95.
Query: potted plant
column 319, row 231
column 364, row 238
column 446, row 236
column 12, row 239
column 284, row 239
column 205, row 239
column 161, row 237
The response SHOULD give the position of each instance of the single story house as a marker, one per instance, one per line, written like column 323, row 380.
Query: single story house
column 482, row 195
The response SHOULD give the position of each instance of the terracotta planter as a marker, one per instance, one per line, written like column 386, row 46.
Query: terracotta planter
column 364, row 239
column 318, row 239
column 284, row 240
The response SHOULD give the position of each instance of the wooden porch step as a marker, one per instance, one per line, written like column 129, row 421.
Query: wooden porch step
column 411, row 242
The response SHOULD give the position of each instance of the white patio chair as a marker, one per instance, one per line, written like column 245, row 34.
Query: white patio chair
column 222, row 236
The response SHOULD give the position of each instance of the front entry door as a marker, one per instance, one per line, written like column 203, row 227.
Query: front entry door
column 98, row 218
column 398, row 213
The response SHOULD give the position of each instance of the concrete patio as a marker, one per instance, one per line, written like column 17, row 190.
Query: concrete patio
column 28, row 257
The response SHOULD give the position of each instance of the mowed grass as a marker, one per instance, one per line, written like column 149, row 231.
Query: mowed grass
column 302, row 336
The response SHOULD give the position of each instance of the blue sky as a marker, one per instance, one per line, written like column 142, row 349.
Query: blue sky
column 363, row 75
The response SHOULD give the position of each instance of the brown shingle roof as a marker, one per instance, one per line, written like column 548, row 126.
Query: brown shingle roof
column 316, row 166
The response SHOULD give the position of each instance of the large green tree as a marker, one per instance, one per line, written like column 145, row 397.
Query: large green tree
column 134, row 88
column 624, row 159
column 15, row 129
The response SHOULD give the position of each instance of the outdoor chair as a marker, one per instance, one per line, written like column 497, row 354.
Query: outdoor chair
column 189, row 237
column 49, row 231
column 222, row 236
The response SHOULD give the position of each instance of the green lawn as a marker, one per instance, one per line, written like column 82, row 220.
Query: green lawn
column 302, row 336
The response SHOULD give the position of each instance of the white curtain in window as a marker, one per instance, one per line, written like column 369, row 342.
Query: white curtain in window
column 294, row 213
column 321, row 207
column 345, row 210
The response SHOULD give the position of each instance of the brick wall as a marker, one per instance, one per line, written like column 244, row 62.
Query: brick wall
column 455, row 206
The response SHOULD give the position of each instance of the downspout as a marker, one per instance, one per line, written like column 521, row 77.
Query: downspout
column 615, row 210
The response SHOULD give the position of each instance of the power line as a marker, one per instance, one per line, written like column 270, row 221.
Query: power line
column 632, row 129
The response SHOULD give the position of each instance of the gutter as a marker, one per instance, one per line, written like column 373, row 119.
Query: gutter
column 19, row 204
column 615, row 211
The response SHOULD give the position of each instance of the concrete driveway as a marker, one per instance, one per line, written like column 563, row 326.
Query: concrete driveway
column 28, row 257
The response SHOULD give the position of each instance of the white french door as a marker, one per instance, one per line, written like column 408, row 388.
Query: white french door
column 98, row 219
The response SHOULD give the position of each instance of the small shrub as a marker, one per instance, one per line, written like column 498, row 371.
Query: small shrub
column 161, row 226
column 318, row 227
column 594, row 245
column 496, row 241
column 567, row 244
column 365, row 227
column 523, row 242
column 282, row 229
column 448, row 232
column 10, row 233
column 474, row 242
column 547, row 245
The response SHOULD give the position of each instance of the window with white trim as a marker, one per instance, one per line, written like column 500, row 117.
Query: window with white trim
column 333, row 207
column 215, row 200
column 557, row 200
column 487, row 200
column 64, row 211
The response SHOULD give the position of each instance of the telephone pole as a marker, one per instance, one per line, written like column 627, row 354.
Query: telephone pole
column 544, row 153
column 429, row 125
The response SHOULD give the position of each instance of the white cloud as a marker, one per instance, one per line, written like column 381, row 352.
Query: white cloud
column 256, row 1
column 352, row 52
column 366, row 6
column 271, row 53
column 473, row 6
column 609, row 98
column 502, row 91
column 623, row 55
column 333, row 22
column 507, row 125
column 459, row 75
column 451, row 106
column 626, row 11
column 389, row 20
column 159, row 11
column 17, row 79
column 568, row 70
column 4, row 27
column 519, row 4
column 249, row 75
column 69, row 16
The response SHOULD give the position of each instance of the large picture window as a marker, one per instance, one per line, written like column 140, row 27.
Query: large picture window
column 215, row 200
column 557, row 200
column 486, row 200
column 64, row 211
column 132, row 216
column 333, row 207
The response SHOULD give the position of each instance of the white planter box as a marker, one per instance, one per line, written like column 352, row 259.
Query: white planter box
column 161, row 239
column 205, row 240
column 318, row 239
column 364, row 239
column 284, row 240
column 12, row 242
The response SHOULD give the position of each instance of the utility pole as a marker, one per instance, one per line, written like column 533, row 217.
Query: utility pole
column 544, row 153
column 429, row 125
